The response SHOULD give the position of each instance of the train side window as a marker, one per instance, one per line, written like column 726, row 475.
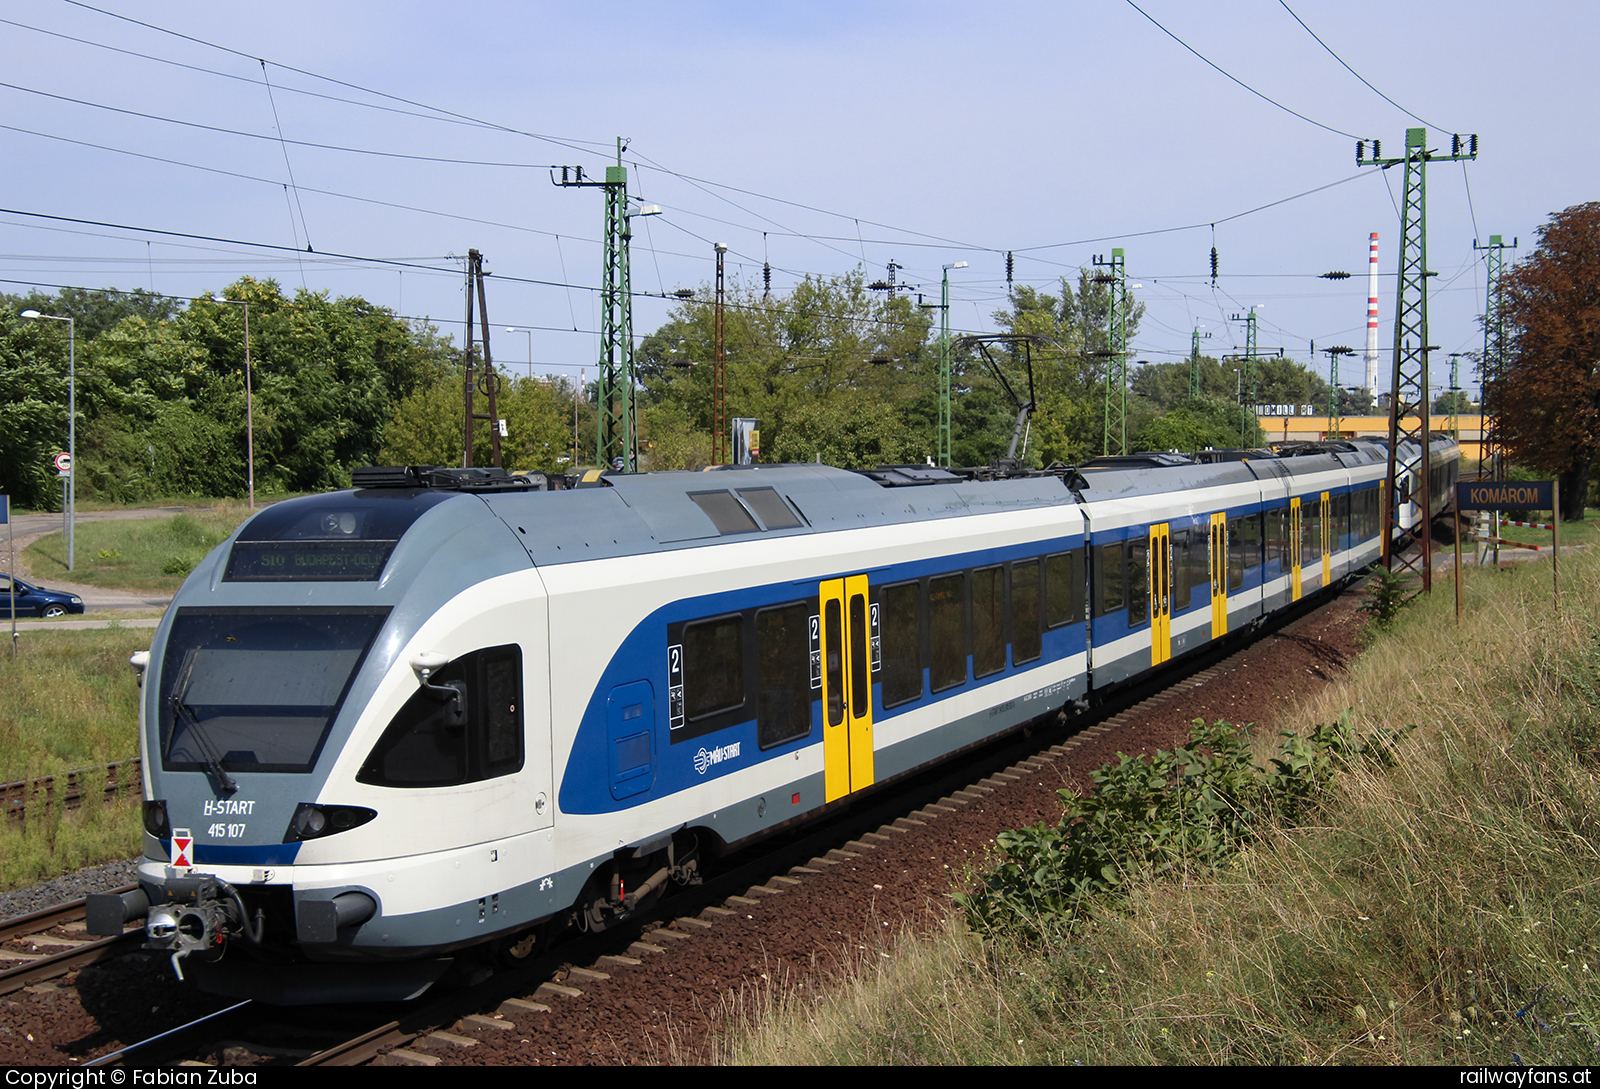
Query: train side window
column 1244, row 542
column 947, row 630
column 1063, row 588
column 783, row 674
column 1112, row 579
column 833, row 639
column 1184, row 572
column 902, row 643
column 1286, row 547
column 1026, row 640
column 1310, row 531
column 713, row 666
column 988, row 621
column 860, row 672
column 1138, row 582
column 427, row 744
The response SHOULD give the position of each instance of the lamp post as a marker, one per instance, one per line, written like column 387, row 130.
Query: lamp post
column 516, row 329
column 72, row 424
column 249, row 405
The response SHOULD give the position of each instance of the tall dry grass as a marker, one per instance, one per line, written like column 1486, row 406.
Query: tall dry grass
column 1441, row 910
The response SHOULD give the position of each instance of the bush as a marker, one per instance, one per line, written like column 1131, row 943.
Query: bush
column 1191, row 809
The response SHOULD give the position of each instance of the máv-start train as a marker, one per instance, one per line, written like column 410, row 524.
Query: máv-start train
column 449, row 708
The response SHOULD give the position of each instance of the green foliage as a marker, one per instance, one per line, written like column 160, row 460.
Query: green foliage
column 161, row 391
column 426, row 427
column 1198, row 423
column 802, row 364
column 1389, row 593
column 1192, row 810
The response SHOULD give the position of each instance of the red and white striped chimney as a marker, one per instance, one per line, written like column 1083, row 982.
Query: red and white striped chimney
column 1372, row 318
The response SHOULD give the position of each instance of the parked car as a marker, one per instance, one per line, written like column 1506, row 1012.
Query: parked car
column 36, row 600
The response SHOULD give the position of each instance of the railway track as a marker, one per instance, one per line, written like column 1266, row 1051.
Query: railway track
column 525, row 1014
column 50, row 943
column 27, row 798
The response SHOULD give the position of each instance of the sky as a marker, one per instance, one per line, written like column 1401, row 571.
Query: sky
column 178, row 146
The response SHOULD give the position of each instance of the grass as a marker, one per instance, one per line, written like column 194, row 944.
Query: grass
column 68, row 701
column 1444, row 910
column 155, row 554
column 1572, row 533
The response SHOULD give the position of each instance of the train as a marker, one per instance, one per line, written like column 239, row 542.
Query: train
column 455, row 710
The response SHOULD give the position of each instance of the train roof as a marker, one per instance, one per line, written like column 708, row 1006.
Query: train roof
column 616, row 515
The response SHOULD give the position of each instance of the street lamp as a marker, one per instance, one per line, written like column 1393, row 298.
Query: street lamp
column 249, row 404
column 72, row 424
column 517, row 329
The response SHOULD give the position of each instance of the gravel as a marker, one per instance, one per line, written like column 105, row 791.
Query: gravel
column 68, row 887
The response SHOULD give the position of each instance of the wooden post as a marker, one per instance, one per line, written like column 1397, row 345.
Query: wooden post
column 1455, row 513
column 1555, row 541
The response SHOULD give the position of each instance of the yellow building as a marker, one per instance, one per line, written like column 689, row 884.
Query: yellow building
column 1316, row 428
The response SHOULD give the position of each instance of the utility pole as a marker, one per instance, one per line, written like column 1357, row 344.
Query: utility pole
column 1491, row 454
column 615, row 432
column 946, row 457
column 1115, row 432
column 719, row 372
column 489, row 382
column 1335, row 423
column 1408, row 389
column 1194, row 362
column 1452, row 422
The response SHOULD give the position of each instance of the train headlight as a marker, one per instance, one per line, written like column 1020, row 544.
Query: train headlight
column 313, row 821
column 155, row 819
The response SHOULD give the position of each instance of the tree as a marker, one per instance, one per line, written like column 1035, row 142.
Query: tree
column 829, row 369
column 1069, row 376
column 1198, row 423
column 1548, row 394
column 426, row 426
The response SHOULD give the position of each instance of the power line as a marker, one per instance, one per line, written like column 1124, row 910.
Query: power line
column 561, row 142
column 1236, row 79
column 255, row 82
column 1353, row 72
column 272, row 139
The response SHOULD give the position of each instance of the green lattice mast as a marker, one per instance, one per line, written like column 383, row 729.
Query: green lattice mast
column 615, row 433
column 1115, row 442
column 1408, row 389
column 1491, row 455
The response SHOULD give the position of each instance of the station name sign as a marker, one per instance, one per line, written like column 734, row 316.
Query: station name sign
column 1506, row 495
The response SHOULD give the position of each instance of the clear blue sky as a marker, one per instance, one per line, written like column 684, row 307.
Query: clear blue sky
column 924, row 133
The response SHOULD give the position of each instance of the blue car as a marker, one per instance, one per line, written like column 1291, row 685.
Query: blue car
column 36, row 600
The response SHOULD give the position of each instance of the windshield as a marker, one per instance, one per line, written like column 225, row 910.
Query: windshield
column 257, row 689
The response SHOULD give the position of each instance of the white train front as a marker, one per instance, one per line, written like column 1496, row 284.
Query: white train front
column 438, row 711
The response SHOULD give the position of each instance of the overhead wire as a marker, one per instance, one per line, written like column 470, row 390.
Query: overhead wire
column 274, row 139
column 1236, row 79
column 560, row 141
column 1353, row 72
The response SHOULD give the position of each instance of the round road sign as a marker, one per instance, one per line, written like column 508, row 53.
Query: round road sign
column 63, row 463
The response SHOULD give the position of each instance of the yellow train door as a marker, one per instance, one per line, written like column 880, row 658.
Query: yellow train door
column 1219, row 575
column 1297, row 545
column 846, row 686
column 1160, row 593
column 1327, row 540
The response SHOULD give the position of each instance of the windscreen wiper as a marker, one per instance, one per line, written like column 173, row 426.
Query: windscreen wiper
column 223, row 782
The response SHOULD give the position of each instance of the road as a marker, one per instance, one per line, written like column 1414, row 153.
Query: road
column 30, row 527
